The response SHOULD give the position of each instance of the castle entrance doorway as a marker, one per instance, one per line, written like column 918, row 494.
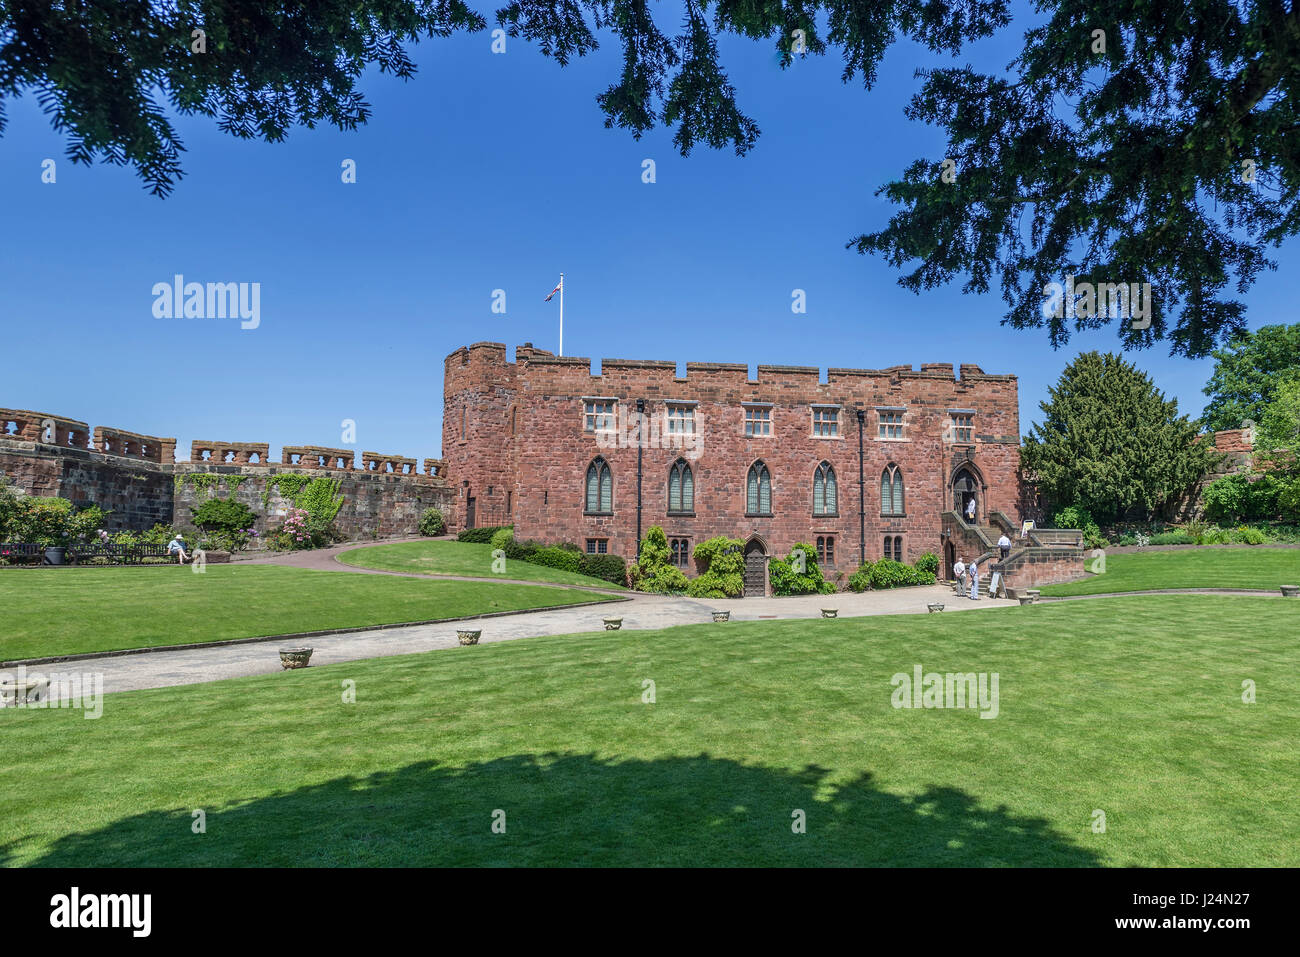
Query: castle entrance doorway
column 965, row 490
column 755, row 568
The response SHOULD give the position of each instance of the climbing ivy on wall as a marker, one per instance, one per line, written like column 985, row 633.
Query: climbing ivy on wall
column 321, row 499
column 319, row 496
column 234, row 481
column 290, row 487
column 199, row 481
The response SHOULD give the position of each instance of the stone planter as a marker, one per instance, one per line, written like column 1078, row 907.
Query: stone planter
column 934, row 606
column 1032, row 593
column 830, row 612
column 54, row 554
column 1026, row 599
column 292, row 658
column 612, row 624
column 722, row 616
column 468, row 636
column 13, row 693
column 1291, row 591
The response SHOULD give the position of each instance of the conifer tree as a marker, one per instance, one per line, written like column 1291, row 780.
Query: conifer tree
column 1111, row 443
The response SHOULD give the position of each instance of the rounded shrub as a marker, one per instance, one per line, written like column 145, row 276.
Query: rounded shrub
column 432, row 522
column 928, row 563
column 654, row 570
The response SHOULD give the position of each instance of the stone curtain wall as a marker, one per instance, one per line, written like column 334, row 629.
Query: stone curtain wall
column 513, row 435
column 140, row 495
column 135, row 476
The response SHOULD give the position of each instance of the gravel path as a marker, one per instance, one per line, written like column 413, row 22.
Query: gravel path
column 161, row 668
column 158, row 668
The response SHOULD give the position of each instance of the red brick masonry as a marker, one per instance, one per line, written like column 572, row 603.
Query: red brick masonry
column 514, row 444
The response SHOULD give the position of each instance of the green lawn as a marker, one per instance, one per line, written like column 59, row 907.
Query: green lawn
column 1258, row 568
column 1131, row 706
column 63, row 611
column 458, row 558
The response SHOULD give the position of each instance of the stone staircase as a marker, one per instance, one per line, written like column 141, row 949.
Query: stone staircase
column 985, row 577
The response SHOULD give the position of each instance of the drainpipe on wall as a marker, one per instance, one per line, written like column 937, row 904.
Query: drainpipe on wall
column 862, row 497
column 640, row 448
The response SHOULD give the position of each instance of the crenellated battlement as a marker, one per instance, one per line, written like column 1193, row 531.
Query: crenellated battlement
column 137, row 480
column 58, row 431
column 26, row 426
column 469, row 365
column 134, row 445
column 391, row 464
column 229, row 453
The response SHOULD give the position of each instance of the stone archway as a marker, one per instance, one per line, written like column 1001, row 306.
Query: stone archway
column 755, row 568
column 966, row 487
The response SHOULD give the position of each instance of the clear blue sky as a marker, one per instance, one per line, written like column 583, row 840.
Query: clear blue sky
column 483, row 172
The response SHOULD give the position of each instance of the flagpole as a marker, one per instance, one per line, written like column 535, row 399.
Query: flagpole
column 561, row 314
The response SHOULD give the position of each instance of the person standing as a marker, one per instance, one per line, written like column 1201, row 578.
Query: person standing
column 959, row 572
column 1004, row 546
column 970, row 510
column 974, row 580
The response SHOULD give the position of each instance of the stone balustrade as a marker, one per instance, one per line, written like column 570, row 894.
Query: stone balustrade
column 229, row 453
column 395, row 464
column 317, row 457
column 134, row 445
column 42, row 427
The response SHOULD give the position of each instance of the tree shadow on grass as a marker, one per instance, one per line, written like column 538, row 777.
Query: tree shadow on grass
column 578, row 809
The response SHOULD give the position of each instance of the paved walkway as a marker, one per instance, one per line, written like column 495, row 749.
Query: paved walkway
column 196, row 665
column 326, row 559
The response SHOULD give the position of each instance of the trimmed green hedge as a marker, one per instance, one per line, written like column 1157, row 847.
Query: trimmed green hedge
column 568, row 557
column 482, row 535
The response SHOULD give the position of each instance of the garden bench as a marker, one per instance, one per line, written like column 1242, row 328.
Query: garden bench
column 117, row 554
column 16, row 552
column 113, row 554
column 139, row 553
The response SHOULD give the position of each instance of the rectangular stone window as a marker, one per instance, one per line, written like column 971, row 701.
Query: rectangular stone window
column 894, row 547
column 826, row 549
column 598, row 415
column 681, row 420
column 891, row 425
column 758, row 420
column 826, row 423
column 597, row 546
column 681, row 551
column 963, row 429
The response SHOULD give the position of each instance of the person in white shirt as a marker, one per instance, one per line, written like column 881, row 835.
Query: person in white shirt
column 970, row 510
column 975, row 580
column 959, row 572
column 1004, row 544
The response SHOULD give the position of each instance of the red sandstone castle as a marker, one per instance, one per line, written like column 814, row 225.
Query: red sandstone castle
column 866, row 464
